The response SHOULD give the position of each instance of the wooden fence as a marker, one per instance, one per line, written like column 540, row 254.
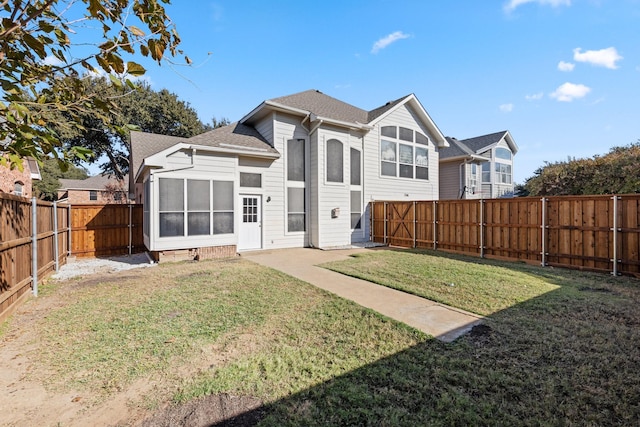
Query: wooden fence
column 599, row 233
column 109, row 229
column 36, row 237
column 33, row 243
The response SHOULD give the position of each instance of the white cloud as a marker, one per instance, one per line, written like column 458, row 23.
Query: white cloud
column 511, row 5
column 52, row 60
column 506, row 108
column 603, row 57
column 570, row 91
column 566, row 66
column 387, row 40
column 535, row 97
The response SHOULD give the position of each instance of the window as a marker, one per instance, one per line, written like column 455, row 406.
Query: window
column 295, row 160
column 171, row 207
column 503, row 153
column 295, row 209
column 201, row 204
column 390, row 131
column 402, row 159
column 335, row 155
column 388, row 157
column 198, row 207
column 222, row 207
column 406, row 160
column 406, row 134
column 296, row 192
column 355, row 166
column 473, row 177
column 146, row 207
column 356, row 210
column 253, row 180
column 422, row 163
column 18, row 188
column 93, row 195
column 503, row 173
column 486, row 172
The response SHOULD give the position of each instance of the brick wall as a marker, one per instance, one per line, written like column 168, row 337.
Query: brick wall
column 84, row 196
column 9, row 177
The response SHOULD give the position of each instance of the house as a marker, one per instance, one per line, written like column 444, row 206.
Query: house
column 296, row 171
column 99, row 189
column 478, row 168
column 20, row 182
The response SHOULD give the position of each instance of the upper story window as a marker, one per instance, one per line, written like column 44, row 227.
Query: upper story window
column 503, row 153
column 93, row 195
column 355, row 166
column 486, row 172
column 473, row 176
column 503, row 173
column 335, row 161
column 18, row 188
column 404, row 153
column 296, row 191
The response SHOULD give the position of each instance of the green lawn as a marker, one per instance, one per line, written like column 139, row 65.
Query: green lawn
column 565, row 352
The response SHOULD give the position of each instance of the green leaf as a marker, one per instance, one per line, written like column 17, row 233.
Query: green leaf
column 135, row 69
column 116, row 81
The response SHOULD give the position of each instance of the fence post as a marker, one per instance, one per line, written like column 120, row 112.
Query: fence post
column 435, row 226
column 34, row 245
column 414, row 224
column 130, row 226
column 543, row 228
column 385, row 223
column 55, row 235
column 481, row 228
column 615, row 236
column 69, row 230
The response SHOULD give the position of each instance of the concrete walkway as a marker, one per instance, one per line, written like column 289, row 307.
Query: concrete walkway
column 441, row 321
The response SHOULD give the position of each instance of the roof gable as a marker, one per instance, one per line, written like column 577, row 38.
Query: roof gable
column 477, row 145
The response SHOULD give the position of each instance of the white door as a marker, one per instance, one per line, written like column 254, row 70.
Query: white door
column 250, row 232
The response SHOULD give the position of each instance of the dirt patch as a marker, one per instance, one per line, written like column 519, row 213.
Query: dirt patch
column 218, row 410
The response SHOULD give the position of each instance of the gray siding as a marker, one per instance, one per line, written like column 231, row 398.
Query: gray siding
column 449, row 180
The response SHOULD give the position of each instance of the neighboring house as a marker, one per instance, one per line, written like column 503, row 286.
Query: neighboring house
column 19, row 182
column 296, row 171
column 99, row 189
column 478, row 168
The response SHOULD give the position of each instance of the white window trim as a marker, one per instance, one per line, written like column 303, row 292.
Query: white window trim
column 397, row 141
column 296, row 184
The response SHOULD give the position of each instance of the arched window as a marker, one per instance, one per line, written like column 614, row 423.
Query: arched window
column 18, row 188
column 503, row 153
column 335, row 161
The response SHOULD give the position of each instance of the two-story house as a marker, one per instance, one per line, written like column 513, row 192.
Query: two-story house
column 20, row 182
column 478, row 168
column 296, row 171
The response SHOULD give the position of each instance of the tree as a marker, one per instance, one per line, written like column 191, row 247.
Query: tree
column 614, row 173
column 137, row 106
column 41, row 68
column 47, row 188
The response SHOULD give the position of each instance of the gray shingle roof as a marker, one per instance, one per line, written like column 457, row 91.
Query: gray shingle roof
column 479, row 143
column 98, row 182
column 234, row 134
column 316, row 102
column 470, row 146
column 377, row 112
column 144, row 144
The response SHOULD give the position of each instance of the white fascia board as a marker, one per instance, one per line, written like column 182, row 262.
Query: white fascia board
column 236, row 149
column 464, row 157
column 511, row 142
column 273, row 106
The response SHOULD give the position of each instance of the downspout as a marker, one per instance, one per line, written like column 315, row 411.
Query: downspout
column 304, row 120
column 462, row 185
column 315, row 127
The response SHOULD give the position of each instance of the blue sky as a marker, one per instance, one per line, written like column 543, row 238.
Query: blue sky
column 561, row 75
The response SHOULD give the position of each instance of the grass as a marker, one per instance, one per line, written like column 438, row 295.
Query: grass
column 477, row 285
column 564, row 352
